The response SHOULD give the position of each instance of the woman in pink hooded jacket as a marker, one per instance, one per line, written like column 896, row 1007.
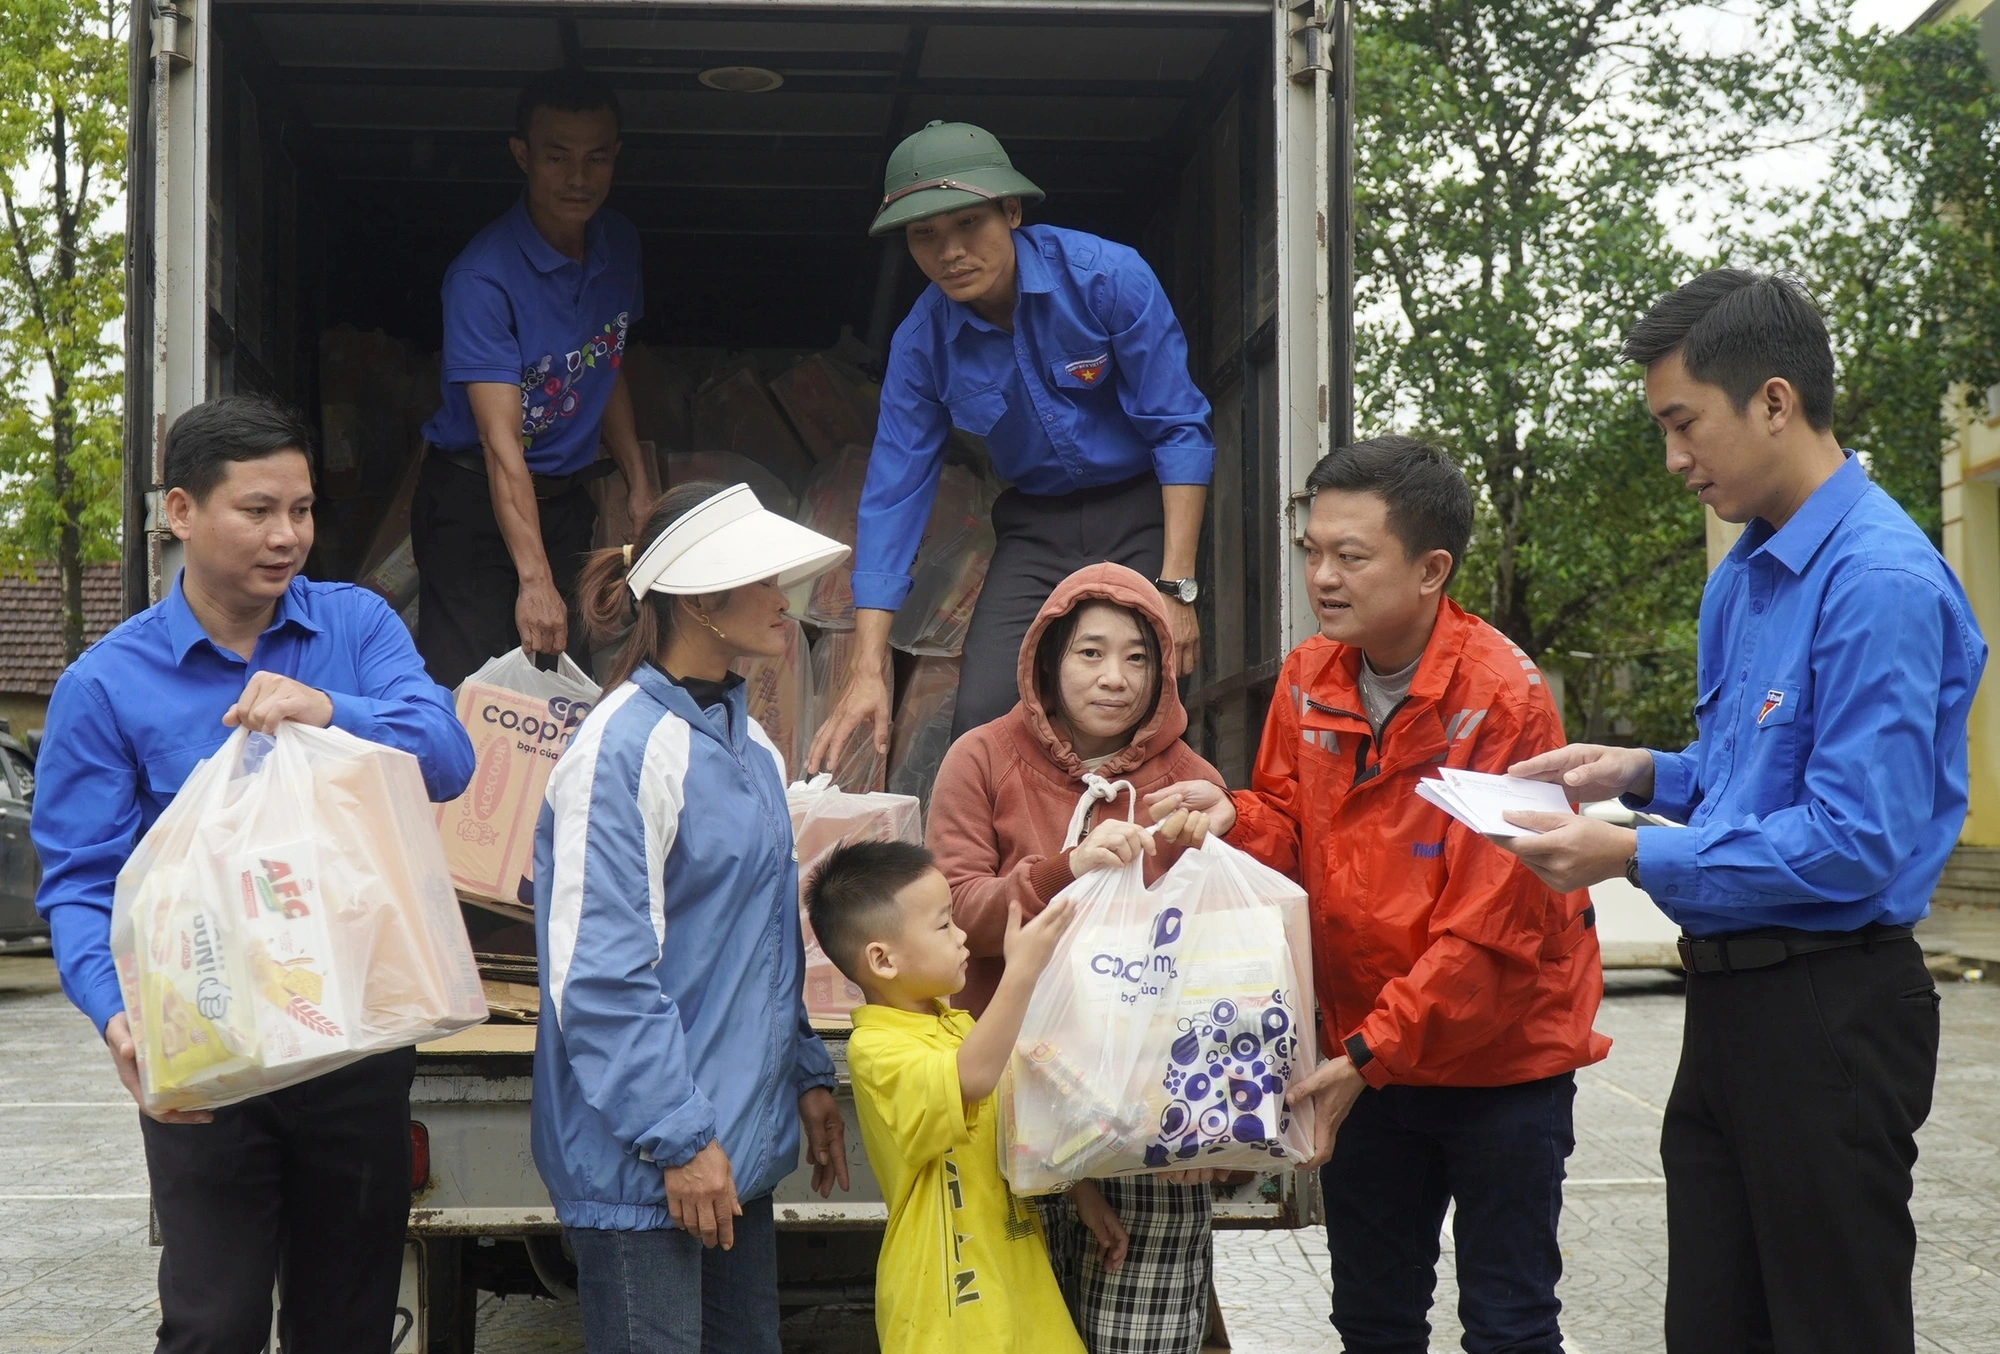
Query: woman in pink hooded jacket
column 1092, row 703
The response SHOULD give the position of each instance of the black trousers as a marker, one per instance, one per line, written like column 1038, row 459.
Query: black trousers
column 309, row 1186
column 1402, row 1155
column 467, row 586
column 1038, row 542
column 1788, row 1143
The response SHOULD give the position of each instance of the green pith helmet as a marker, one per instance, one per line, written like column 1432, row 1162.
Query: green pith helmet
column 946, row 166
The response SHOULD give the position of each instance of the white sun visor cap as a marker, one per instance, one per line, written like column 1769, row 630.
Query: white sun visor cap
column 727, row 541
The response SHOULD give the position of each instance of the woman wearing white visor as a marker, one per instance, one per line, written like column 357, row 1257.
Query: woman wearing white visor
column 674, row 1066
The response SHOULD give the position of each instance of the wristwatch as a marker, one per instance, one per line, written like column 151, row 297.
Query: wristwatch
column 1182, row 590
column 1632, row 871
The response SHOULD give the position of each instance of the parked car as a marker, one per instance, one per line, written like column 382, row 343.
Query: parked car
column 20, row 870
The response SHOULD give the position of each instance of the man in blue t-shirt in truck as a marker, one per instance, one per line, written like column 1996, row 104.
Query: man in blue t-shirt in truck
column 1062, row 351
column 535, row 315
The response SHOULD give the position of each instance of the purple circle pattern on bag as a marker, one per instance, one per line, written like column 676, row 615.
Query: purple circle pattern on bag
column 1227, row 1077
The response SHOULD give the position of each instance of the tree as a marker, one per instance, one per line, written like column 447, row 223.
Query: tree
column 1902, row 244
column 1514, row 155
column 62, row 164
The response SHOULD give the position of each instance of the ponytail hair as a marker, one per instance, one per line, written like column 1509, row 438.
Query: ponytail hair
column 610, row 614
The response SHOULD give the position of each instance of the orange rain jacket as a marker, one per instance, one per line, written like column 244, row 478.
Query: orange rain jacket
column 1453, row 964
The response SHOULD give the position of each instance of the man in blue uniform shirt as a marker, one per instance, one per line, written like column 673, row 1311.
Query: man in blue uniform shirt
column 309, row 1184
column 1837, row 663
column 535, row 314
column 1059, row 349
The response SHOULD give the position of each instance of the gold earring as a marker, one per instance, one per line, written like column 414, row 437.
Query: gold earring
column 711, row 627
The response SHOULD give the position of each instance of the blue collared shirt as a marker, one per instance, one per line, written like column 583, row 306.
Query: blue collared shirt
column 519, row 310
column 1091, row 388
column 1837, row 663
column 131, row 718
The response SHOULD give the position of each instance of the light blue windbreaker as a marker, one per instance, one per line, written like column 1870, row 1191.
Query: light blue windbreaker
column 672, row 967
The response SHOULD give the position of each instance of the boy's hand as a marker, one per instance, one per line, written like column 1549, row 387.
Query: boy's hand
column 1102, row 1220
column 702, row 1197
column 1198, row 797
column 1027, row 947
column 826, row 1139
column 1112, row 842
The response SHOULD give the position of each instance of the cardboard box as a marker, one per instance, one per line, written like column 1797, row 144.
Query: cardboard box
column 734, row 412
column 830, row 405
column 780, row 697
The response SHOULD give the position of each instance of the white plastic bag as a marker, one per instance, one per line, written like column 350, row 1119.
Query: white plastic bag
column 520, row 719
column 1166, row 1028
column 289, row 913
column 824, row 817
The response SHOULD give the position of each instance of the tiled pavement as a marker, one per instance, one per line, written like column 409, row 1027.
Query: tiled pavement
column 76, row 1273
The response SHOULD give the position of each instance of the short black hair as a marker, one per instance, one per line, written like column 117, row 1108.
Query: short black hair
column 1430, row 504
column 567, row 89
column 1737, row 329
column 204, row 441
column 851, row 898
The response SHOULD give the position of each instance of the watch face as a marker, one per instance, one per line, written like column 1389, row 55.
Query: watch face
column 1189, row 590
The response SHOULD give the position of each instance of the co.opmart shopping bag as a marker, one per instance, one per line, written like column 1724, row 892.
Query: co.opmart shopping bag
column 1166, row 1028
column 520, row 719
column 824, row 817
column 289, row 913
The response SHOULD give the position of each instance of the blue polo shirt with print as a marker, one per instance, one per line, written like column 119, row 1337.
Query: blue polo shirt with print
column 520, row 311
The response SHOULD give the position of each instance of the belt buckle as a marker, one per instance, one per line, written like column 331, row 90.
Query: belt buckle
column 1685, row 944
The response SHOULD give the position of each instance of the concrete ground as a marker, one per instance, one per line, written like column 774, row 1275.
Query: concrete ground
column 76, row 1273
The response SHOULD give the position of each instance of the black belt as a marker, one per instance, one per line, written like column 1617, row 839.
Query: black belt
column 546, row 486
column 1096, row 493
column 1773, row 945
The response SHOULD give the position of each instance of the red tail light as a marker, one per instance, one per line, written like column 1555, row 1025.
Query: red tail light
column 420, row 1156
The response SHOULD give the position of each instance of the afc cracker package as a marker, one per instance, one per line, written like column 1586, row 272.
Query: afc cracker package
column 289, row 913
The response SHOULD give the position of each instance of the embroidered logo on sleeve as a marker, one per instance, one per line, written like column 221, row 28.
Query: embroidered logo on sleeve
column 1088, row 369
column 1772, row 700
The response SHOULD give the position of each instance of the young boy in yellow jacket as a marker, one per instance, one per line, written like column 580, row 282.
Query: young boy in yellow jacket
column 963, row 1263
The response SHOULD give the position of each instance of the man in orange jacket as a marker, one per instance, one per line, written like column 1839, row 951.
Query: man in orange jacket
column 1456, row 991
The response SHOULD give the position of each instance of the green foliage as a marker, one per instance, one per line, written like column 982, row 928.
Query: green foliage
column 1902, row 244
column 1513, row 157
column 62, row 163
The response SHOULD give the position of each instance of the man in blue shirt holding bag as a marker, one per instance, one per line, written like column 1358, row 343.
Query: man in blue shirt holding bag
column 1062, row 351
column 1837, row 663
column 310, row 1184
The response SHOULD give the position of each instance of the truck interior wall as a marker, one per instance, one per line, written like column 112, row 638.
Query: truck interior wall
column 351, row 161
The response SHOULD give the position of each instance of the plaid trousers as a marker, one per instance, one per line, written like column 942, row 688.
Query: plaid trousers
column 1157, row 1302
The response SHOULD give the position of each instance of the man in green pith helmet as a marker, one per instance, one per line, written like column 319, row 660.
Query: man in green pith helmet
column 1061, row 350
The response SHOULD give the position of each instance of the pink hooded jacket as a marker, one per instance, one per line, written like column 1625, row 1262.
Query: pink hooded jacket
column 1006, row 791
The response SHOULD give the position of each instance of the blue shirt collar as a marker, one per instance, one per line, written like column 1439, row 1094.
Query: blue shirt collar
column 1031, row 277
column 545, row 256
column 184, row 631
column 1794, row 544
